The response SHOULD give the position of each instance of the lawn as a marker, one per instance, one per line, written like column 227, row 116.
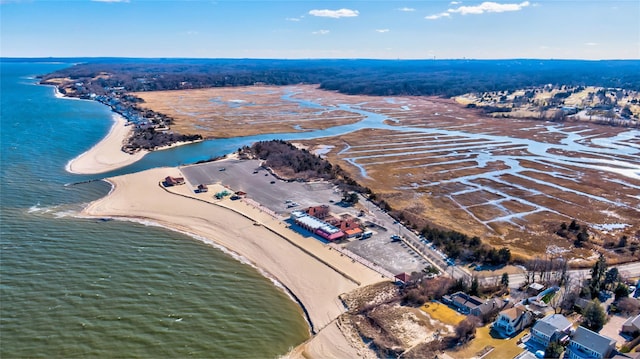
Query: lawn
column 442, row 313
column 503, row 348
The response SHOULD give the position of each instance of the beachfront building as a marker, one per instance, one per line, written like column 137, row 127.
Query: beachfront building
column 552, row 328
column 320, row 212
column 513, row 320
column 173, row 181
column 317, row 226
column 586, row 344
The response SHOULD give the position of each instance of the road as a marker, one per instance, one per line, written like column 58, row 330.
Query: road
column 628, row 270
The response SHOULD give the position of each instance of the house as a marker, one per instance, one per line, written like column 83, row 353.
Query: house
column 469, row 304
column 513, row 320
column 631, row 325
column 586, row 344
column 552, row 328
column 173, row 181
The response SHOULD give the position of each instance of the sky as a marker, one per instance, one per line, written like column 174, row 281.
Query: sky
column 544, row 29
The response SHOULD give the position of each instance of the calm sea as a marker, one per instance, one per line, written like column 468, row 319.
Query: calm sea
column 74, row 287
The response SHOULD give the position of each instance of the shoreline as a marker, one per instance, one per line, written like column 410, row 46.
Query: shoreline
column 306, row 268
column 106, row 155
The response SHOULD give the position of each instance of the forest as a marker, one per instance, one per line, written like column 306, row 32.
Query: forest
column 444, row 78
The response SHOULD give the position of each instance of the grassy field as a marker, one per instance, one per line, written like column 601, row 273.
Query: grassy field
column 502, row 348
column 442, row 313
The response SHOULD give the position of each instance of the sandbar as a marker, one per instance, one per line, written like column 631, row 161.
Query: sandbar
column 313, row 273
column 106, row 155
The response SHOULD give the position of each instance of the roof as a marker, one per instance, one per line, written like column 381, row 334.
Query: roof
column 512, row 313
column 404, row 276
column 536, row 286
column 551, row 324
column 353, row 231
column 592, row 340
column 634, row 321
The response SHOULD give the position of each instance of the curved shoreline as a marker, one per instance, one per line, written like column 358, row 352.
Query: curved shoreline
column 106, row 155
column 304, row 267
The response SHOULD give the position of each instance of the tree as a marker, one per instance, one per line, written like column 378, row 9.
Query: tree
column 554, row 350
column 621, row 291
column 505, row 280
column 611, row 277
column 629, row 306
column 475, row 286
column 593, row 316
column 597, row 275
column 466, row 329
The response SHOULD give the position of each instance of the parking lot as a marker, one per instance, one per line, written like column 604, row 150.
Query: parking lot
column 283, row 197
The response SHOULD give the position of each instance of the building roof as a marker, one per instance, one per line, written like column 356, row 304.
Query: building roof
column 592, row 340
column 552, row 323
column 404, row 276
column 634, row 321
column 353, row 231
column 536, row 286
column 512, row 313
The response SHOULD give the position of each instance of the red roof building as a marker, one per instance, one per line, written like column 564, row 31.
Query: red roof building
column 318, row 211
column 173, row 181
column 403, row 277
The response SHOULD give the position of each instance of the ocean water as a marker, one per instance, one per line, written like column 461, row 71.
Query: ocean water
column 73, row 287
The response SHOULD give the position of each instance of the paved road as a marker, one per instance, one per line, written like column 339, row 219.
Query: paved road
column 629, row 270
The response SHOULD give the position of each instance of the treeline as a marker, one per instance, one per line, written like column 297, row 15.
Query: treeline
column 370, row 77
column 292, row 163
column 460, row 246
column 150, row 139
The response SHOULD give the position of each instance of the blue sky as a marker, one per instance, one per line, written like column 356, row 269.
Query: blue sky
column 581, row 29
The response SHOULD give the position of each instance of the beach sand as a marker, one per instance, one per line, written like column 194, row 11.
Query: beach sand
column 314, row 274
column 107, row 154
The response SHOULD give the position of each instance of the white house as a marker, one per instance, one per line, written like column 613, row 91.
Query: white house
column 513, row 320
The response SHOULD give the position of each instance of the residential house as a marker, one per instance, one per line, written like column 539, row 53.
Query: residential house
column 469, row 304
column 552, row 328
column 513, row 320
column 632, row 325
column 586, row 344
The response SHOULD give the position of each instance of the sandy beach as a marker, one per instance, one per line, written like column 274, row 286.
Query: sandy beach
column 106, row 155
column 313, row 273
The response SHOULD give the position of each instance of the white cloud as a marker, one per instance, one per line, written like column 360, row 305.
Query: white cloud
column 591, row 43
column 455, row 2
column 192, row 32
column 489, row 6
column 320, row 32
column 336, row 14
column 437, row 16
column 382, row 30
column 110, row 0
column 293, row 19
column 406, row 9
